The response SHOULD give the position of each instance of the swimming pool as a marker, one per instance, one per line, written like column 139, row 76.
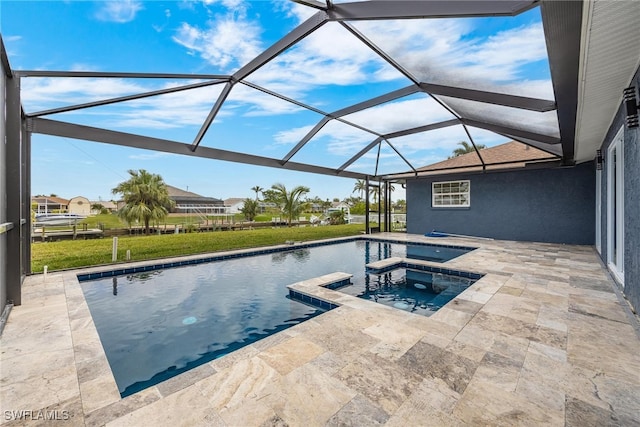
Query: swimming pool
column 415, row 291
column 158, row 323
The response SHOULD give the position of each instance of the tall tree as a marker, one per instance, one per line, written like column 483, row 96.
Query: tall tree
column 290, row 201
column 257, row 189
column 375, row 192
column 465, row 148
column 145, row 196
column 360, row 187
column 250, row 209
column 270, row 196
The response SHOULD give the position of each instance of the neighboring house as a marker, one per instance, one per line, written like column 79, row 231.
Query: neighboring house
column 189, row 202
column 509, row 155
column 109, row 205
column 234, row 205
column 522, row 194
column 339, row 206
column 266, row 206
column 316, row 208
column 49, row 204
column 79, row 205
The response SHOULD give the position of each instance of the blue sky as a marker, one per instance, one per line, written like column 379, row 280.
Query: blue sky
column 329, row 70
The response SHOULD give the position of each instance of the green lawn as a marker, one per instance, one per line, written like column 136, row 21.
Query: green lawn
column 83, row 253
column 111, row 221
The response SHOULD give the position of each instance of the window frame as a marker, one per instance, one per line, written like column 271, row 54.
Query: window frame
column 458, row 193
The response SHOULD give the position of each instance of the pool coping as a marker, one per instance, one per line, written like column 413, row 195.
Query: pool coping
column 110, row 270
column 97, row 383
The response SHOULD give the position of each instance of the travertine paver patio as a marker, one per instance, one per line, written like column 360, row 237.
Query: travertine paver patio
column 542, row 339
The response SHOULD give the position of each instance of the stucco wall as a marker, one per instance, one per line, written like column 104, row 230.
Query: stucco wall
column 545, row 205
column 631, row 203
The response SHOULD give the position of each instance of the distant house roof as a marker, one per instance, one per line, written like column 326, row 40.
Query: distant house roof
column 510, row 155
column 339, row 205
column 233, row 201
column 50, row 200
column 182, row 196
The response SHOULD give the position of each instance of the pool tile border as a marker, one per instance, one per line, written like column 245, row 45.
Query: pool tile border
column 395, row 263
column 120, row 271
column 329, row 281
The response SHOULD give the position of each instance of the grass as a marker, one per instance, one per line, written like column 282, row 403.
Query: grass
column 111, row 221
column 83, row 253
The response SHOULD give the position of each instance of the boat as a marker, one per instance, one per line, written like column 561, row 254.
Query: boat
column 57, row 219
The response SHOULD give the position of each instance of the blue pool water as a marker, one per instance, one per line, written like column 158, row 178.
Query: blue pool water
column 156, row 324
column 419, row 292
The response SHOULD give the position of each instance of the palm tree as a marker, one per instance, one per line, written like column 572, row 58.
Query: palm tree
column 250, row 209
column 360, row 187
column 145, row 197
column 466, row 148
column 257, row 189
column 375, row 192
column 290, row 202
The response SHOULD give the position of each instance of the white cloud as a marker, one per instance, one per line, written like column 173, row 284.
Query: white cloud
column 120, row 11
column 298, row 11
column 173, row 110
column 41, row 93
column 230, row 41
column 255, row 103
column 339, row 139
column 399, row 115
column 328, row 57
column 292, row 136
column 444, row 52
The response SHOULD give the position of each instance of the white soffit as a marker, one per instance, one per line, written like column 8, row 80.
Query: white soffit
column 610, row 55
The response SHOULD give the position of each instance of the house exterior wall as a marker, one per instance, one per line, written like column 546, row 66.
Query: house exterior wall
column 543, row 205
column 631, row 287
column 236, row 207
column 80, row 205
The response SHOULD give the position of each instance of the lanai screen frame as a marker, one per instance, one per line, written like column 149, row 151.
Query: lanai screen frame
column 561, row 20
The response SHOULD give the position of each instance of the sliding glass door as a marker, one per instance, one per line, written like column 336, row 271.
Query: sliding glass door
column 615, row 207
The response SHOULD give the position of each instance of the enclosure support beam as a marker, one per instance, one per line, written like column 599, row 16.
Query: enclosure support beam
column 367, row 228
column 514, row 101
column 87, row 133
column 26, row 199
column 293, row 37
column 511, row 131
column 125, row 98
column 15, row 192
column 212, row 115
column 405, row 132
column 562, row 22
column 411, row 9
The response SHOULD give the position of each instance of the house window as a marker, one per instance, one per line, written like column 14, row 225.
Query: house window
column 451, row 194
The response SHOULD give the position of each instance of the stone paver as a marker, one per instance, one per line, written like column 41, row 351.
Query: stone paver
column 541, row 339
